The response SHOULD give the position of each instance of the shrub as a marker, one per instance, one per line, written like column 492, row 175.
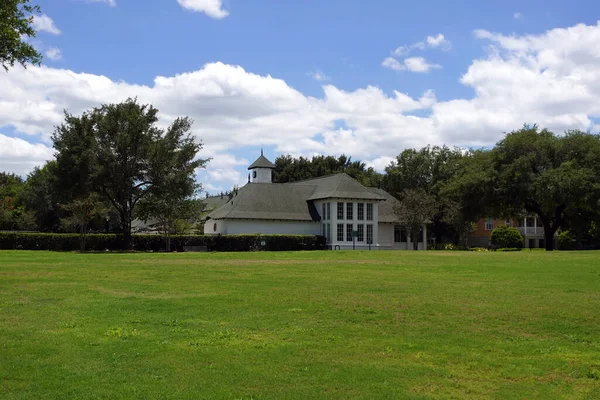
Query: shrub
column 506, row 237
column 565, row 241
column 70, row 242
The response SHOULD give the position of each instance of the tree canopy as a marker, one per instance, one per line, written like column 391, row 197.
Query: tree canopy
column 16, row 18
column 119, row 152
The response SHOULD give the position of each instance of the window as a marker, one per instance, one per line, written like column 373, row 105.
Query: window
column 508, row 222
column 325, row 230
column 349, row 211
column 400, row 235
column 489, row 224
column 361, row 233
column 349, row 228
column 370, row 234
column 340, row 232
column 328, row 211
column 254, row 174
column 530, row 222
column 369, row 212
column 323, row 209
column 215, row 227
column 360, row 211
column 328, row 233
column 340, row 211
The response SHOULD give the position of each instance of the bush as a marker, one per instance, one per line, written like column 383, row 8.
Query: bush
column 565, row 241
column 70, row 242
column 505, row 249
column 507, row 237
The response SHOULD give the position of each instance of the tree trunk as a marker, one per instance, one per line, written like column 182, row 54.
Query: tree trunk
column 82, row 239
column 549, row 237
column 127, row 233
column 415, row 241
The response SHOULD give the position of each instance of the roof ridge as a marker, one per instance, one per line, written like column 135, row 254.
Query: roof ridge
column 318, row 177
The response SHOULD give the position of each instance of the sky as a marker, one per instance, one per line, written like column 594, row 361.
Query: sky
column 363, row 78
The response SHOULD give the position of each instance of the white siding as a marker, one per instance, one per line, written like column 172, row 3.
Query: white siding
column 263, row 175
column 240, row 227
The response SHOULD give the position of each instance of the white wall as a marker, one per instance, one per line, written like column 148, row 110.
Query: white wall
column 240, row 227
column 263, row 175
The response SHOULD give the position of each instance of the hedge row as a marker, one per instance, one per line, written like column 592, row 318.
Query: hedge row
column 71, row 242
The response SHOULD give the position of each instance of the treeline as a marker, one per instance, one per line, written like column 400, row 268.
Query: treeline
column 530, row 172
column 113, row 164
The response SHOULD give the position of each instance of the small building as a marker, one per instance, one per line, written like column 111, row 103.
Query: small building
column 337, row 206
column 530, row 227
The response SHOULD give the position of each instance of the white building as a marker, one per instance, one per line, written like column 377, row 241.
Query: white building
column 338, row 207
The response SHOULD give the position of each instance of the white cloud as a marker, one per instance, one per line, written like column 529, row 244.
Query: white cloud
column 20, row 157
column 112, row 3
column 517, row 15
column 413, row 64
column 212, row 8
column 54, row 54
column 552, row 79
column 43, row 23
column 438, row 41
column 319, row 76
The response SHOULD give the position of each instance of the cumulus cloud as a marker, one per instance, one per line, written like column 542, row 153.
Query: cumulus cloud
column 413, row 64
column 212, row 8
column 438, row 41
column 112, row 3
column 551, row 79
column 43, row 23
column 54, row 54
column 20, row 157
column 319, row 76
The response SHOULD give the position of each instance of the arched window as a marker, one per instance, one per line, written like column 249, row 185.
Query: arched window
column 253, row 174
column 215, row 227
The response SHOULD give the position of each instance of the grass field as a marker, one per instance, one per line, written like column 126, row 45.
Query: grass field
column 371, row 325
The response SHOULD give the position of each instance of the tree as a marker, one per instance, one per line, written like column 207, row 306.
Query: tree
column 83, row 211
column 415, row 208
column 42, row 196
column 290, row 169
column 459, row 219
column 171, row 207
column 506, row 237
column 16, row 18
column 118, row 152
column 546, row 175
column 428, row 169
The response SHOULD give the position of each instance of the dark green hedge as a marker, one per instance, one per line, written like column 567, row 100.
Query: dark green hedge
column 507, row 237
column 70, row 242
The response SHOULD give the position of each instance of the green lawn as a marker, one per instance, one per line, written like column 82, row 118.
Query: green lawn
column 371, row 325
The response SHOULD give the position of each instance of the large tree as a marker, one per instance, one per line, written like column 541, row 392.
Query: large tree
column 428, row 169
column 119, row 152
column 16, row 19
column 414, row 209
column 547, row 175
column 42, row 196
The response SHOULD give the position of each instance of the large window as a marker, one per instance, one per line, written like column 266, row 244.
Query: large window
column 340, row 232
column 328, row 213
column 369, row 212
column 349, row 228
column 328, row 233
column 361, row 233
column 489, row 224
column 340, row 211
column 360, row 211
column 400, row 235
column 349, row 211
column 323, row 212
column 370, row 234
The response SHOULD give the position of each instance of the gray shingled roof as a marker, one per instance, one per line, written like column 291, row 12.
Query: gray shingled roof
column 340, row 186
column 262, row 162
column 273, row 201
column 294, row 201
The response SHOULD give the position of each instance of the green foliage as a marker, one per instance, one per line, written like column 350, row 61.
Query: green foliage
column 565, row 241
column 111, row 242
column 414, row 208
column 16, row 18
column 290, row 169
column 42, row 196
column 507, row 237
column 118, row 152
column 509, row 249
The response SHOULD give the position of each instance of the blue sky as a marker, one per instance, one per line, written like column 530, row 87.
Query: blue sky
column 309, row 77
